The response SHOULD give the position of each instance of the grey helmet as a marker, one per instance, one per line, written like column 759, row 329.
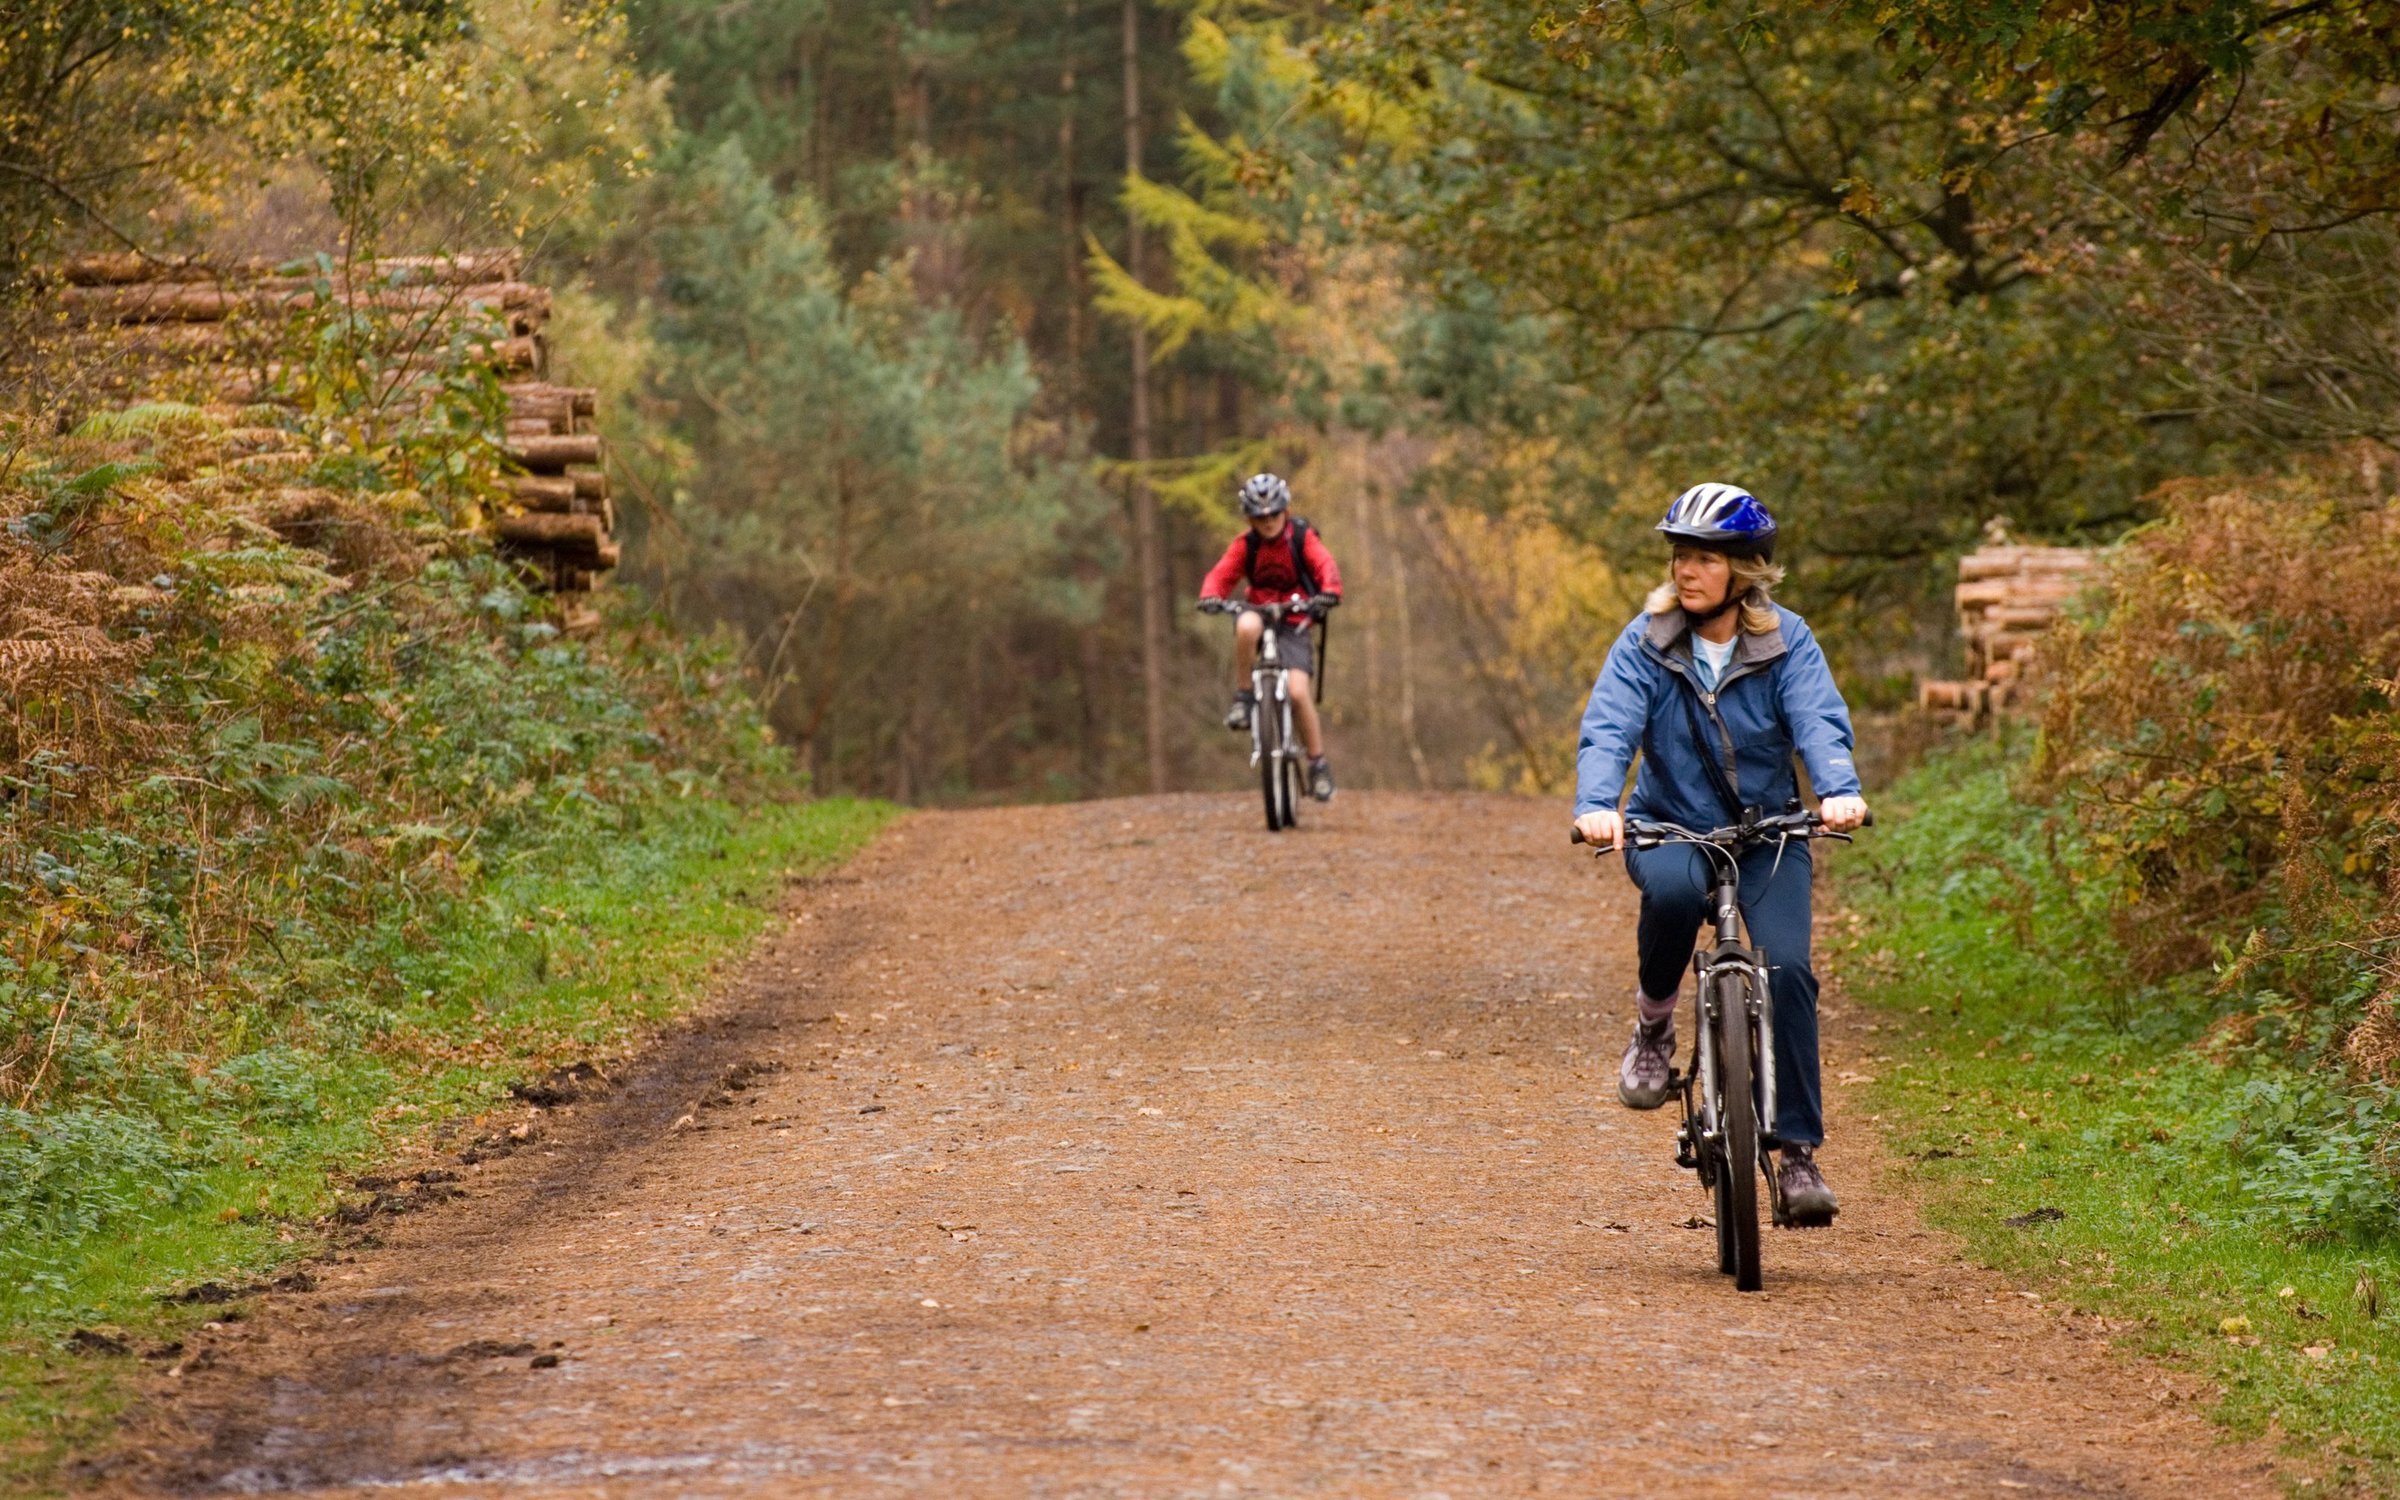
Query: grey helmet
column 1265, row 495
column 1723, row 518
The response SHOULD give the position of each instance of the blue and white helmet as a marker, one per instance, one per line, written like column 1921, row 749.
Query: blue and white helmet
column 1264, row 495
column 1723, row 518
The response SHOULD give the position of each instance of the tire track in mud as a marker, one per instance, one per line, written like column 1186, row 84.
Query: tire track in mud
column 1120, row 1149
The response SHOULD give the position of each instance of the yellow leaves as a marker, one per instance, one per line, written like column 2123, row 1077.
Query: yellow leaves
column 1371, row 118
column 1207, row 51
column 1170, row 319
column 1210, row 296
column 1161, row 206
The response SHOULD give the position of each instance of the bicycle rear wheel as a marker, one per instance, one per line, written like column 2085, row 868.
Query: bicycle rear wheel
column 1737, row 1105
column 1269, row 719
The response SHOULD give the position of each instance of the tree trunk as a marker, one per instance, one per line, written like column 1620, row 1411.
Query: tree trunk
column 1408, row 661
column 1148, row 557
column 820, row 108
column 1071, row 219
column 916, row 101
column 837, row 625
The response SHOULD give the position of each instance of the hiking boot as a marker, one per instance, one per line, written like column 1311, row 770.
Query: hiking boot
column 1807, row 1202
column 1645, row 1075
column 1320, row 779
column 1237, row 718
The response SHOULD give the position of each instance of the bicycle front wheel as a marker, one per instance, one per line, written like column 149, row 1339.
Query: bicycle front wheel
column 1269, row 719
column 1291, row 788
column 1737, row 1109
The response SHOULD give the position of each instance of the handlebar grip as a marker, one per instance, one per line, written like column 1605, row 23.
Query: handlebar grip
column 1574, row 835
column 1868, row 821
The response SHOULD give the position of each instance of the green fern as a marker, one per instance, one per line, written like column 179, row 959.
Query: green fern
column 136, row 421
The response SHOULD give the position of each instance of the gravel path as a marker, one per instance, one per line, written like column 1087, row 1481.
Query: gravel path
column 1122, row 1150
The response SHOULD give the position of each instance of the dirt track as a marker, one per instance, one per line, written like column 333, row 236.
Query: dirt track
column 1119, row 1149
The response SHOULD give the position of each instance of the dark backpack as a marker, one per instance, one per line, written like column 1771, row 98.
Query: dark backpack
column 1297, row 534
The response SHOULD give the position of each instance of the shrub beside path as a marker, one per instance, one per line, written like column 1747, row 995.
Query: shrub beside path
column 1122, row 1149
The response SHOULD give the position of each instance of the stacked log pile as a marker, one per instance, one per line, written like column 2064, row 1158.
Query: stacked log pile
column 215, row 330
column 567, row 527
column 2008, row 598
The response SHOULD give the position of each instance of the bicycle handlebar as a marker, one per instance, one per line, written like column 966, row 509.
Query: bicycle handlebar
column 1792, row 825
column 1283, row 610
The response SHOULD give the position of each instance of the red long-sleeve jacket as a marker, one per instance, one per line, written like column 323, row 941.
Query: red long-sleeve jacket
column 1277, row 576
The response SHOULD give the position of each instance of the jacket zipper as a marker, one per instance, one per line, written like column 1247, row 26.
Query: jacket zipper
column 1708, row 700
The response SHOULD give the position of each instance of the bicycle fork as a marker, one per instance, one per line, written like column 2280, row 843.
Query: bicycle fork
column 1699, row 1144
column 1756, row 1000
column 1266, row 684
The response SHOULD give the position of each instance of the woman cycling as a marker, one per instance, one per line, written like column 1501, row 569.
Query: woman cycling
column 1718, row 687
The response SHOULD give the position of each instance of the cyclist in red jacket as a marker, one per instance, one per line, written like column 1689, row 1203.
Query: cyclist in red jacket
column 1283, row 558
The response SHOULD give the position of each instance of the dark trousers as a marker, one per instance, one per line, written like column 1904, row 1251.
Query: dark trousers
column 1674, row 882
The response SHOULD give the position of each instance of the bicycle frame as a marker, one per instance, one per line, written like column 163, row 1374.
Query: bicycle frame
column 1728, row 956
column 1269, row 686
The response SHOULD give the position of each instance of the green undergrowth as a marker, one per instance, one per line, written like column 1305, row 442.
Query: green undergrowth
column 319, row 826
column 572, row 957
column 2165, row 1154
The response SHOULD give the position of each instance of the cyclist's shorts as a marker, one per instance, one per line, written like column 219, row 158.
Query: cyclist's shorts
column 1296, row 648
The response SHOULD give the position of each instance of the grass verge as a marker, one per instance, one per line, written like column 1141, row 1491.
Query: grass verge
column 576, row 956
column 2113, row 1143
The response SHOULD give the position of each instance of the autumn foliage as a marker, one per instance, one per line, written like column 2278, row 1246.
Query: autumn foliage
column 2225, row 730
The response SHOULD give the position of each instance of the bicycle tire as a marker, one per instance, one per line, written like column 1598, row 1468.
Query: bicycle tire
column 1291, row 790
column 1737, row 1101
column 1721, row 1191
column 1270, row 761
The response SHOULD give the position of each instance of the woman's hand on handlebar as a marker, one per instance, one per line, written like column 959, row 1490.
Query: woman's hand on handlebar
column 1843, row 814
column 1604, row 829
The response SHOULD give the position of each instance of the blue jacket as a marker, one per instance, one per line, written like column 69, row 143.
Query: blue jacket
column 1776, row 697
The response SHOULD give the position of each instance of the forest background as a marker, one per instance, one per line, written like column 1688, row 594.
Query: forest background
column 932, row 339
column 868, row 289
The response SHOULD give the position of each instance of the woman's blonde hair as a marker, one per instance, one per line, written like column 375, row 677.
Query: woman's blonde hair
column 1754, row 578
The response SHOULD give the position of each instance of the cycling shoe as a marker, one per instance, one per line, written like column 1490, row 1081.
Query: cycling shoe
column 1647, row 1073
column 1800, row 1190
